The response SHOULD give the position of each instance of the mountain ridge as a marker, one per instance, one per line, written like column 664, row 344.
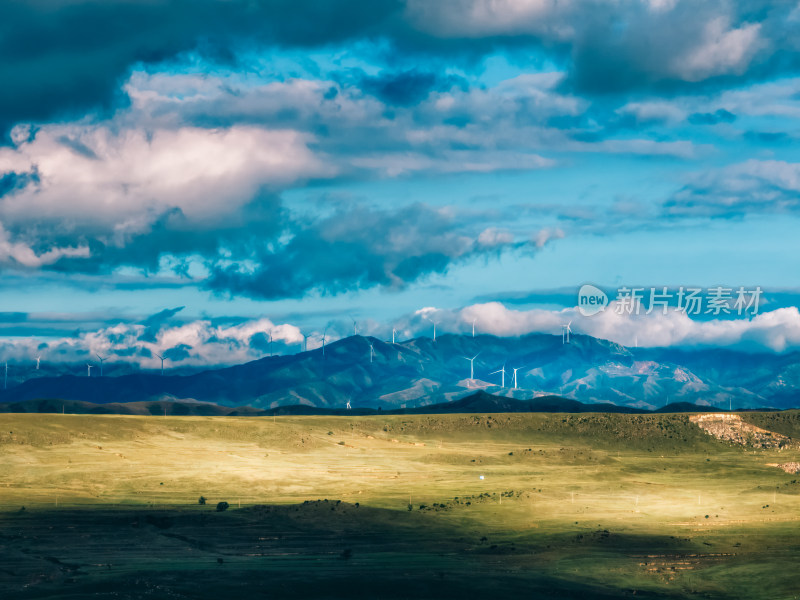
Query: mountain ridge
column 422, row 372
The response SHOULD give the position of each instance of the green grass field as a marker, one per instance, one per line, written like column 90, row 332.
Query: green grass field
column 550, row 505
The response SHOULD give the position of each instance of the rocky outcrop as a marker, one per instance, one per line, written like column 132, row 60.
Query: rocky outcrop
column 731, row 428
column 790, row 467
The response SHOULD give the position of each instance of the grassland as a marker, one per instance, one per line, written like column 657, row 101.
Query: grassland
column 550, row 505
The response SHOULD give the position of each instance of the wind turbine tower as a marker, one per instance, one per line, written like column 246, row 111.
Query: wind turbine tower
column 355, row 327
column 503, row 376
column 565, row 331
column 394, row 331
column 101, row 359
column 471, row 365
column 38, row 358
column 473, row 327
column 515, row 377
column 88, row 369
column 371, row 352
column 434, row 327
column 162, row 363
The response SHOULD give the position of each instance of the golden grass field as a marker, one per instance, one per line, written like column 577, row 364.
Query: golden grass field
column 584, row 506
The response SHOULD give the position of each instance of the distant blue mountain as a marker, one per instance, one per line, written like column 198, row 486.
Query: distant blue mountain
column 422, row 372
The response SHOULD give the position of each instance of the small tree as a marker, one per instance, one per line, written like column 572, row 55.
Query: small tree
column 222, row 506
column 202, row 500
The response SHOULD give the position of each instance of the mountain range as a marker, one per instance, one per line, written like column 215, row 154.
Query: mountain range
column 421, row 372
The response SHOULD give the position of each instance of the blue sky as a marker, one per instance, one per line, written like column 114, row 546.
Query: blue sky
column 290, row 166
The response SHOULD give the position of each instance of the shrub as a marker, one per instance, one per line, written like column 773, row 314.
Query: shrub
column 222, row 506
column 201, row 500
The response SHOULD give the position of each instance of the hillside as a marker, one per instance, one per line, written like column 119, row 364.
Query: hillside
column 394, row 506
column 479, row 402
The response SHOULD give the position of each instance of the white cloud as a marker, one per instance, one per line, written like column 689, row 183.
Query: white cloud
column 122, row 180
column 544, row 236
column 722, row 50
column 654, row 111
column 661, row 5
column 199, row 343
column 492, row 237
column 774, row 331
column 20, row 253
column 478, row 18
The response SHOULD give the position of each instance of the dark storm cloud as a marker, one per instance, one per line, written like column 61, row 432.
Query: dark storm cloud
column 405, row 88
column 11, row 182
column 63, row 57
column 154, row 323
column 358, row 248
column 161, row 317
column 169, row 234
column 23, row 324
column 66, row 57
column 178, row 353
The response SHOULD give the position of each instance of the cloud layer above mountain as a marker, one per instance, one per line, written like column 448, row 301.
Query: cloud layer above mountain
column 202, row 342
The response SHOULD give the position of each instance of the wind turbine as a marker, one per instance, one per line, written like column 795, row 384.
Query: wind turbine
column 473, row 327
column 270, row 342
column 394, row 331
column 323, row 341
column 515, row 377
column 471, row 365
column 88, row 369
column 566, row 330
column 371, row 351
column 38, row 358
column 503, row 371
column 101, row 359
column 162, row 363
column 305, row 341
column 434, row 327
column 348, row 405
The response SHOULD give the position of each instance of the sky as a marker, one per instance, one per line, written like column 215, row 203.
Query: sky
column 188, row 178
